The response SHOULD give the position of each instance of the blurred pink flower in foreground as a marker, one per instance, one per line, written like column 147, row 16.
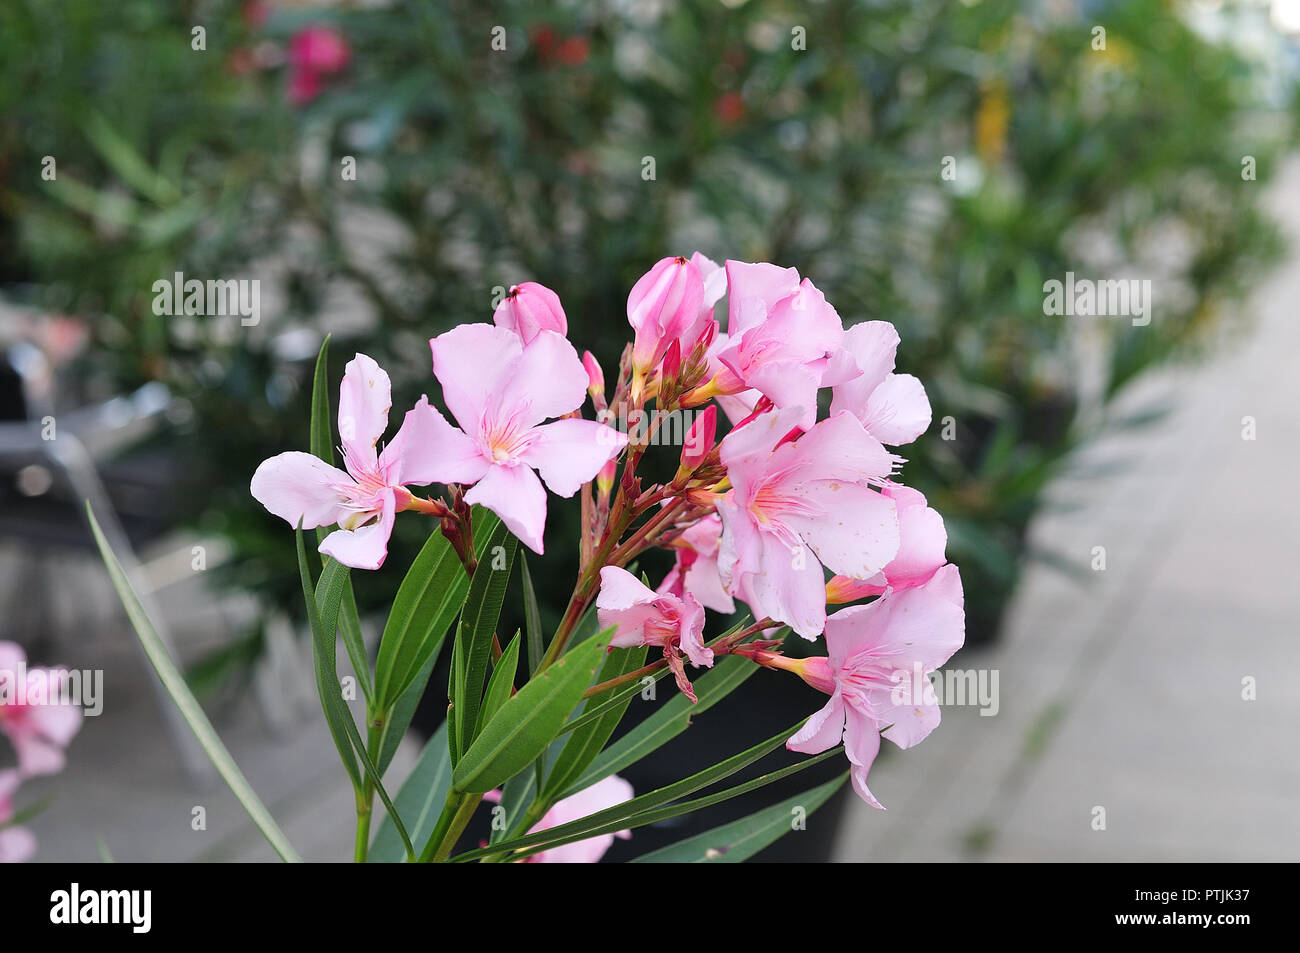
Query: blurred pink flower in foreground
column 362, row 501
column 33, row 716
column 875, row 652
column 601, row 796
column 17, row 844
column 315, row 52
column 645, row 617
column 500, row 391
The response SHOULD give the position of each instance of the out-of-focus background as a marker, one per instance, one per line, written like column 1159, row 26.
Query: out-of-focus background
column 1117, row 494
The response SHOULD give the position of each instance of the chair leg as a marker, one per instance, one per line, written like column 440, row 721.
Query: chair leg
column 70, row 455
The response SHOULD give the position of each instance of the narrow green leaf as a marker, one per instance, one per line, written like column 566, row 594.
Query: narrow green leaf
column 457, row 673
column 336, row 712
column 394, row 725
column 585, row 743
column 322, row 430
column 532, row 618
column 478, row 622
column 323, row 608
column 668, row 722
column 190, row 709
column 419, row 801
column 426, row 603
column 529, row 721
column 742, row 839
column 500, row 685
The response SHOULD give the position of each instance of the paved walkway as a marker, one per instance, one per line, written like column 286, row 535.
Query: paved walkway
column 1122, row 690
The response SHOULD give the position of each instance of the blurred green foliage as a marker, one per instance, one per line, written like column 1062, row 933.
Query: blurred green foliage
column 479, row 167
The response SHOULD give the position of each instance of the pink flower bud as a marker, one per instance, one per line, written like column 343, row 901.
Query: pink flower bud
column 595, row 376
column 667, row 304
column 319, row 49
column 529, row 309
column 699, row 438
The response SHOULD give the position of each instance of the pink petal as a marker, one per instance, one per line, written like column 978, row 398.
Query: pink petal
column 470, row 362
column 753, row 290
column 569, row 453
column 515, row 494
column 872, row 346
column 601, row 796
column 529, row 308
column 546, row 380
column 365, row 397
column 922, row 539
column 897, row 412
column 17, row 845
column 861, row 744
column 299, row 486
column 427, row 449
column 839, row 448
column 910, row 724
column 856, row 531
column 795, row 596
column 692, row 633
column 619, row 589
column 715, row 279
column 366, row 547
column 822, row 730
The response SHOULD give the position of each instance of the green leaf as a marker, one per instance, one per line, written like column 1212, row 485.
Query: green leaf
column 324, row 634
column 394, row 725
column 528, row 722
column 457, row 673
column 532, row 619
column 584, row 743
column 500, row 685
column 129, row 165
column 324, row 619
column 625, row 815
column 426, row 603
column 419, row 802
column 174, row 682
column 742, row 839
column 668, row 722
column 478, row 622
column 322, row 431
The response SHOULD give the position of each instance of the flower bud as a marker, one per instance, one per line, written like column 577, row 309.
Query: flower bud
column 699, row 439
column 665, row 305
column 530, row 308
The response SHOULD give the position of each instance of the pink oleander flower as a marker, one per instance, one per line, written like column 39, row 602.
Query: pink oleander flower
column 696, row 569
column 363, row 500
column 922, row 542
column 601, row 796
column 33, row 714
column 17, row 844
column 529, row 308
column 500, row 390
column 791, row 496
column 314, row 53
column 666, row 305
column 893, row 407
column 781, row 335
column 645, row 617
column 876, row 652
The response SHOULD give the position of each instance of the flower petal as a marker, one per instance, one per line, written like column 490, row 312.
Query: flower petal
column 367, row 546
column 546, row 380
column 872, row 347
column 515, row 494
column 822, row 730
column 470, row 362
column 299, row 486
column 856, row 531
column 861, row 744
column 427, row 449
column 897, row 412
column 365, row 397
column 570, row 452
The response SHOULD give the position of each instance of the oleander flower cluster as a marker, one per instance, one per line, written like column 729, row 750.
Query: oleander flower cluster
column 787, row 503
